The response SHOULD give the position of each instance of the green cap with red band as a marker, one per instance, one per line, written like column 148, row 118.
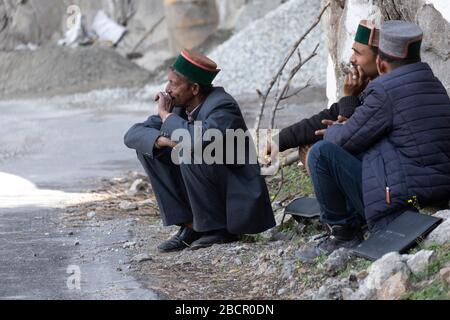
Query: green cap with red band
column 368, row 34
column 196, row 67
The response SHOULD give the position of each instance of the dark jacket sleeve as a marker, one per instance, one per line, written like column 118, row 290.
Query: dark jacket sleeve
column 371, row 122
column 222, row 117
column 304, row 132
column 142, row 136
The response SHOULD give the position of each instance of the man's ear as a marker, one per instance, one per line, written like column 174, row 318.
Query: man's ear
column 195, row 89
column 381, row 66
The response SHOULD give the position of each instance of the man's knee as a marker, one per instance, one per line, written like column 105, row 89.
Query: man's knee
column 320, row 150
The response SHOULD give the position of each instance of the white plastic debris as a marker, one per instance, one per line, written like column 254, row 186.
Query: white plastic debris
column 107, row 29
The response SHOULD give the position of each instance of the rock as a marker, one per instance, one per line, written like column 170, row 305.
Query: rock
column 347, row 294
column 277, row 205
column 380, row 271
column 393, row 288
column 440, row 235
column 384, row 268
column 237, row 262
column 129, row 244
column 308, row 295
column 91, row 214
column 288, row 270
column 139, row 186
column 331, row 290
column 337, row 261
column 138, row 175
column 77, row 243
column 444, row 214
column 445, row 274
column 146, row 203
column 363, row 293
column 271, row 270
column 141, row 258
column 128, row 206
column 362, row 275
column 281, row 291
column 420, row 261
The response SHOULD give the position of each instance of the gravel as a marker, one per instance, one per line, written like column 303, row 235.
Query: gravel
column 250, row 58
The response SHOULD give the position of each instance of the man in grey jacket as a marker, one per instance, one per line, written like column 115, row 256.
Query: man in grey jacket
column 215, row 202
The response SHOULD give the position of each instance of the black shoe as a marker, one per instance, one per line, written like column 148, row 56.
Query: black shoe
column 214, row 237
column 180, row 241
column 338, row 237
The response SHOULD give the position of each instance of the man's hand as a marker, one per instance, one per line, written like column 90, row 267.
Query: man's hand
column 355, row 82
column 329, row 123
column 270, row 160
column 165, row 103
column 164, row 142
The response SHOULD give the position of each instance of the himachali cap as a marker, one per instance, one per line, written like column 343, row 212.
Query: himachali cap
column 401, row 39
column 196, row 67
column 367, row 33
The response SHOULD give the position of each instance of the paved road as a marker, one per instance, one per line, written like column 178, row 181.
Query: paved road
column 51, row 151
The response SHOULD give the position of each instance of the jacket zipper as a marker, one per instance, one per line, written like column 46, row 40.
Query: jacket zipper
column 387, row 188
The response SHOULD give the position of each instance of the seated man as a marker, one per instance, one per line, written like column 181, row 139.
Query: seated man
column 212, row 203
column 396, row 146
column 309, row 131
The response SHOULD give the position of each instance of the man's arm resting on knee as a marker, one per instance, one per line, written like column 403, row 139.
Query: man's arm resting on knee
column 143, row 137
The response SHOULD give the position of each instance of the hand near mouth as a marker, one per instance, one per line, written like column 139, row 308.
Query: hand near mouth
column 165, row 103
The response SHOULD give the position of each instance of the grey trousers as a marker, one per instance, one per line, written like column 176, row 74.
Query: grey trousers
column 188, row 193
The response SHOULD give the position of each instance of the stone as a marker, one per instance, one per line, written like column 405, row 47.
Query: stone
column 444, row 214
column 363, row 293
column 141, row 258
column 281, row 291
column 445, row 274
column 237, row 262
column 337, row 261
column 139, row 186
column 384, row 268
column 91, row 214
column 393, row 288
column 146, row 203
column 128, row 206
column 331, row 290
column 440, row 235
column 420, row 261
column 288, row 270
column 347, row 294
column 129, row 244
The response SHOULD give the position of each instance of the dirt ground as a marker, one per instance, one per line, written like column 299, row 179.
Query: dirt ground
column 257, row 267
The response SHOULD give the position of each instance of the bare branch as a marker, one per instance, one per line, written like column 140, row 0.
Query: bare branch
column 283, row 66
column 307, row 85
column 285, row 90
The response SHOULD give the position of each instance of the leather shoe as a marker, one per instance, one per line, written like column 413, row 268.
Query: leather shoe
column 183, row 239
column 212, row 238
